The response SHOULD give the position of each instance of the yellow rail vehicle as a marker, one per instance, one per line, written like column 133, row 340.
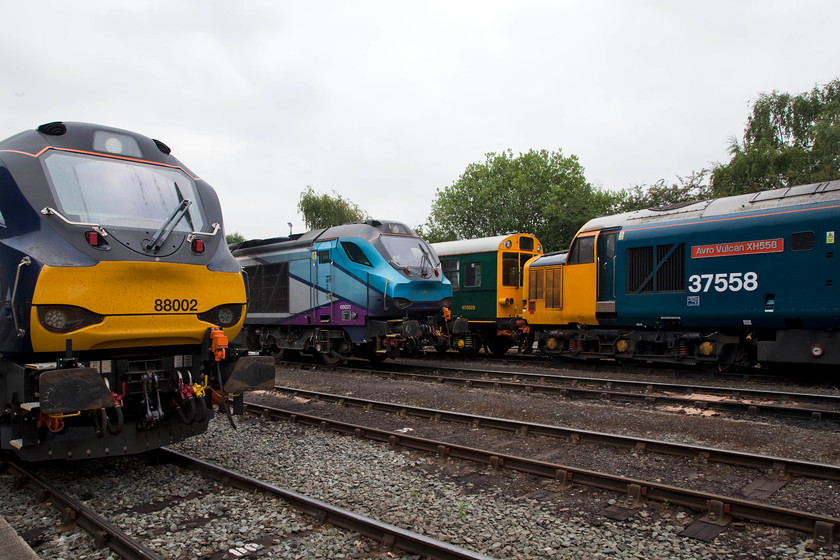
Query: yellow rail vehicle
column 487, row 280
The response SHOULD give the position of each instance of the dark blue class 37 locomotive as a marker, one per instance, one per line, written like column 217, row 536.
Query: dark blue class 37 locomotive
column 722, row 283
column 369, row 289
column 118, row 297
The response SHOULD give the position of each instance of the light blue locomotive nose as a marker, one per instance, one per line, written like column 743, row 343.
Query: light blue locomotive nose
column 363, row 289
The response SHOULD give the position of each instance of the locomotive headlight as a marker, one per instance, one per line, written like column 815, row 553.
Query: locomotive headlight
column 223, row 315
column 115, row 143
column 66, row 318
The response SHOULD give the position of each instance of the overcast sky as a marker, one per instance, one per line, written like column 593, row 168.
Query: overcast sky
column 387, row 102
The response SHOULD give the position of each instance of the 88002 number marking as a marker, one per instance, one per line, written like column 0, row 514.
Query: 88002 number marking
column 175, row 305
column 723, row 282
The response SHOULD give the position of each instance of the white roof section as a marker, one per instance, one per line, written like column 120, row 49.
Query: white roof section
column 765, row 200
column 469, row 246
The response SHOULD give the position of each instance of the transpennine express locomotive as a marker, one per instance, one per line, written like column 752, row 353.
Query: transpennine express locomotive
column 118, row 297
column 728, row 282
column 364, row 289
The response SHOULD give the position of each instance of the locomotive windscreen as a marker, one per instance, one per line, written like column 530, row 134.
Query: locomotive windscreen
column 119, row 193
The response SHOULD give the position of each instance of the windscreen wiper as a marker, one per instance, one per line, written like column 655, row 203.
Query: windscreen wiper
column 165, row 230
column 181, row 199
column 424, row 272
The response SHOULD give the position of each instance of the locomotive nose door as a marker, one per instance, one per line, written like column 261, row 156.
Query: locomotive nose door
column 322, row 286
column 605, row 302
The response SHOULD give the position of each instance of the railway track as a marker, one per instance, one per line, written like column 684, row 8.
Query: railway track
column 778, row 466
column 732, row 400
column 75, row 512
column 718, row 509
column 107, row 534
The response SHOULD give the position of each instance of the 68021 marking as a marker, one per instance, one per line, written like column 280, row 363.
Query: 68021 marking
column 723, row 282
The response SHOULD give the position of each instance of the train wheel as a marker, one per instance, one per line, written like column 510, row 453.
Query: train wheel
column 331, row 358
column 499, row 345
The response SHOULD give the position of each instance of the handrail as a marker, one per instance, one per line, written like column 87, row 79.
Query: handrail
column 25, row 261
column 47, row 211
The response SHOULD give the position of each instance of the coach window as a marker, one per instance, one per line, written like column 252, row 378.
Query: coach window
column 582, row 251
column 472, row 275
column 450, row 270
column 355, row 253
column 802, row 241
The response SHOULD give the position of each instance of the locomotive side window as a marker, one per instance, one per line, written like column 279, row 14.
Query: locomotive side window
column 2, row 220
column 659, row 268
column 323, row 257
column 472, row 275
column 582, row 251
column 802, row 241
column 450, row 270
column 269, row 288
column 355, row 253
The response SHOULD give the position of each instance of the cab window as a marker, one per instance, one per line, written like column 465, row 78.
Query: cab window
column 582, row 251
column 450, row 270
column 510, row 269
column 355, row 253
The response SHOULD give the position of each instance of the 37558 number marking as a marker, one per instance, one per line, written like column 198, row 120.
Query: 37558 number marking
column 723, row 282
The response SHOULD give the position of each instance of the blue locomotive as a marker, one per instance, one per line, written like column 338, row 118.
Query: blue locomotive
column 728, row 282
column 119, row 295
column 365, row 289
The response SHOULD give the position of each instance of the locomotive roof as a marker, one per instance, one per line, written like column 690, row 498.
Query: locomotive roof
column 770, row 199
column 550, row 259
column 469, row 246
column 368, row 229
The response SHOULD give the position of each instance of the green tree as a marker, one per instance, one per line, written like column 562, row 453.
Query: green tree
column 323, row 211
column 234, row 237
column 789, row 140
column 539, row 192
column 687, row 189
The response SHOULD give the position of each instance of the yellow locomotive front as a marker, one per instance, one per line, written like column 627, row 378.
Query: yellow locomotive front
column 124, row 296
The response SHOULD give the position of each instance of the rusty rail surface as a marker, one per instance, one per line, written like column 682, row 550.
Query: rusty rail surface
column 759, row 402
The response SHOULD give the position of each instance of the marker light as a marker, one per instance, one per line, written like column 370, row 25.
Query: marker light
column 197, row 246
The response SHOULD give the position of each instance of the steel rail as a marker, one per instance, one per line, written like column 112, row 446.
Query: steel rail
column 644, row 386
column 75, row 511
column 606, row 392
column 824, row 528
column 390, row 536
column 777, row 465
